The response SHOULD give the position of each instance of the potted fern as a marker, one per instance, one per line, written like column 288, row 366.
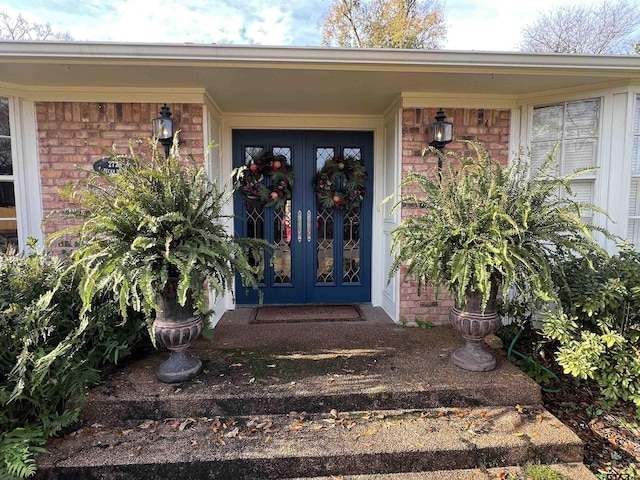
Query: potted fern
column 153, row 234
column 482, row 229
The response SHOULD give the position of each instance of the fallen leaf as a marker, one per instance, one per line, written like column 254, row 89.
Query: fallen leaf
column 295, row 426
column 188, row 422
column 126, row 432
column 334, row 413
column 233, row 433
column 267, row 440
column 146, row 424
column 137, row 451
column 370, row 432
column 235, row 365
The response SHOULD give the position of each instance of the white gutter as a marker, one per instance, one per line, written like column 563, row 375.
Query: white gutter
column 103, row 52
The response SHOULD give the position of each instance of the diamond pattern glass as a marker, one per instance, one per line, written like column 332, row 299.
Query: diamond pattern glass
column 255, row 223
column 282, row 244
column 322, row 155
column 325, row 246
column 351, row 246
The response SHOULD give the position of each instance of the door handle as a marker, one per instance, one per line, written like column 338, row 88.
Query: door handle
column 308, row 225
column 299, row 226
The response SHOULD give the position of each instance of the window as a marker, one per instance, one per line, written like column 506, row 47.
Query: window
column 633, row 227
column 8, row 217
column 574, row 127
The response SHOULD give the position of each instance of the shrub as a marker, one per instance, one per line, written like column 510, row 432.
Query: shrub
column 597, row 326
column 47, row 354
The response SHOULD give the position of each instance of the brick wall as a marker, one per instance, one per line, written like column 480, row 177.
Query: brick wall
column 72, row 136
column 490, row 127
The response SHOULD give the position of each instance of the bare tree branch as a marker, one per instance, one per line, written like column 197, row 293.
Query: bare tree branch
column 605, row 29
column 19, row 28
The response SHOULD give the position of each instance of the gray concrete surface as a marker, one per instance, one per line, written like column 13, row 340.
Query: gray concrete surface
column 311, row 400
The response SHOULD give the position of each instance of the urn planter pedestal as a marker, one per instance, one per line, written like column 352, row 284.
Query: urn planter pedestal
column 475, row 325
column 175, row 328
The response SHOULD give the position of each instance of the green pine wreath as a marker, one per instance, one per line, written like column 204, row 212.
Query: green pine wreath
column 253, row 184
column 340, row 184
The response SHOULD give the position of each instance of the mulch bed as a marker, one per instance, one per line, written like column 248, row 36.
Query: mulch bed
column 611, row 439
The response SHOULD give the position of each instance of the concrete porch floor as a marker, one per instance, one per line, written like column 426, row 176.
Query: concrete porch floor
column 265, row 368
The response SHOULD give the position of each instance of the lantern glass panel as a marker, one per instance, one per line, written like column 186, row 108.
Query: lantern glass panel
column 162, row 128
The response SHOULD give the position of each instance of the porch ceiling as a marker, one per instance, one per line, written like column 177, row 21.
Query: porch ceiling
column 302, row 80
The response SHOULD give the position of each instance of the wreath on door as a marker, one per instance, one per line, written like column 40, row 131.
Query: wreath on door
column 253, row 184
column 340, row 183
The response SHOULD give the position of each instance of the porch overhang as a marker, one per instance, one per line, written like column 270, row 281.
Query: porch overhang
column 295, row 80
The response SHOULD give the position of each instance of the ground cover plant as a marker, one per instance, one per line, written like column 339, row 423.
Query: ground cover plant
column 48, row 353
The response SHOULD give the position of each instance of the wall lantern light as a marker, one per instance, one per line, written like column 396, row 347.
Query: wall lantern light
column 439, row 133
column 162, row 128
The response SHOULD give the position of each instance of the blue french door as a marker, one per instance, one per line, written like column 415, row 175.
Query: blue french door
column 320, row 255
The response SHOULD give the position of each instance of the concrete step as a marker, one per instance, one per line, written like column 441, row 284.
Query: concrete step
column 569, row 471
column 258, row 369
column 305, row 445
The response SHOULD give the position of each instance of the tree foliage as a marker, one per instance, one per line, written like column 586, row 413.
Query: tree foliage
column 19, row 28
column 604, row 29
column 385, row 24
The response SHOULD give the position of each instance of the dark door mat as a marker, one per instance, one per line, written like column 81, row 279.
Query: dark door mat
column 306, row 313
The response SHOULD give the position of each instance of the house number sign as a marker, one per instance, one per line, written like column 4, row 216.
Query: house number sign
column 108, row 165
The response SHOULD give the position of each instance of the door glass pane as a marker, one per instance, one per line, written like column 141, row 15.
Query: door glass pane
column 4, row 117
column 282, row 244
column 325, row 246
column 322, row 155
column 250, row 153
column 351, row 246
column 355, row 153
column 6, row 164
column 283, row 151
column 255, row 224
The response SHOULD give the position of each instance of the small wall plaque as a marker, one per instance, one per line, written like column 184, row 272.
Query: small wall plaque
column 108, row 165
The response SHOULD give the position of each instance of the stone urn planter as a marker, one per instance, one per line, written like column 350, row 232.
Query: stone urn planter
column 475, row 325
column 175, row 328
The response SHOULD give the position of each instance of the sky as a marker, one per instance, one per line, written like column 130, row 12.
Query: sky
column 490, row 25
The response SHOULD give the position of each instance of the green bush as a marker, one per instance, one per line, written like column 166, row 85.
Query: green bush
column 597, row 326
column 48, row 355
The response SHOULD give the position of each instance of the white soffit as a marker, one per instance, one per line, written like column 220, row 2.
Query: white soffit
column 305, row 80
